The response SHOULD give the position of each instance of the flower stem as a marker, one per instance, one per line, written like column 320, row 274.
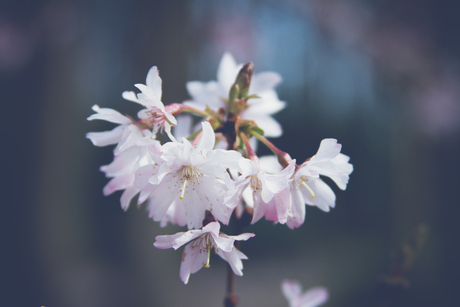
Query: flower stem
column 238, row 225
column 193, row 110
column 194, row 134
column 283, row 157
column 197, row 138
column 231, row 299
column 251, row 155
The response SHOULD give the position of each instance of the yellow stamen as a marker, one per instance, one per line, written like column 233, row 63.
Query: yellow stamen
column 309, row 189
column 209, row 256
column 183, row 189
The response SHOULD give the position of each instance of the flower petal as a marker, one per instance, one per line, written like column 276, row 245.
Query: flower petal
column 234, row 260
column 227, row 71
column 153, row 81
column 264, row 81
column 109, row 115
column 192, row 261
column 106, row 137
column 314, row 297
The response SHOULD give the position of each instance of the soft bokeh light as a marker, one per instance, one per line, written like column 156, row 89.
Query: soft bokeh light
column 381, row 77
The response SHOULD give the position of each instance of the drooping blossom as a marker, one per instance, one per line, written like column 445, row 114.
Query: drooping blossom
column 197, row 253
column 307, row 186
column 130, row 153
column 123, row 135
column 214, row 94
column 266, row 193
column 155, row 115
column 314, row 297
column 122, row 170
column 195, row 175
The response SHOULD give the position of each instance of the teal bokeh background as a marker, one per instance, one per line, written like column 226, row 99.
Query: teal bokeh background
column 381, row 77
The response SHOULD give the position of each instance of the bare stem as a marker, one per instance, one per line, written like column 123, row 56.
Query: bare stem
column 283, row 157
column 251, row 154
column 193, row 110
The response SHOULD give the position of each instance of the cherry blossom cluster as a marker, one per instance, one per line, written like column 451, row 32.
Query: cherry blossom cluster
column 208, row 172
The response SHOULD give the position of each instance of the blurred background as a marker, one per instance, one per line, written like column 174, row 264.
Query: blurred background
column 382, row 77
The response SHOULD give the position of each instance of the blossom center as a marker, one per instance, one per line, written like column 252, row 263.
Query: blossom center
column 255, row 183
column 188, row 173
column 156, row 117
column 205, row 243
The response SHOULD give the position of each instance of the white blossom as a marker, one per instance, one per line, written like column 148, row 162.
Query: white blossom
column 214, row 93
column 307, row 186
column 314, row 297
column 195, row 175
column 202, row 241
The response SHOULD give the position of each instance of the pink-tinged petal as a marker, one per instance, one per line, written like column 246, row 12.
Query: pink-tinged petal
column 234, row 260
column 175, row 214
column 227, row 71
column 224, row 242
column 166, row 241
column 314, row 297
column 213, row 227
column 270, row 211
column 211, row 197
column 297, row 208
column 106, row 137
column 143, row 174
column 291, row 289
column 121, row 164
column 153, row 81
column 259, row 207
column 118, row 183
column 127, row 196
column 163, row 198
column 273, row 184
column 194, row 207
column 282, row 205
column 264, row 81
column 186, row 237
column 232, row 198
column 192, row 261
column 145, row 193
column 109, row 115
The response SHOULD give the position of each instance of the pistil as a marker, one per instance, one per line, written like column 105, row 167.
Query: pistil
column 309, row 189
column 209, row 256
column 183, row 189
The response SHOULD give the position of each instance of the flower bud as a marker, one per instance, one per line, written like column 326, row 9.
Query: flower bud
column 243, row 80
